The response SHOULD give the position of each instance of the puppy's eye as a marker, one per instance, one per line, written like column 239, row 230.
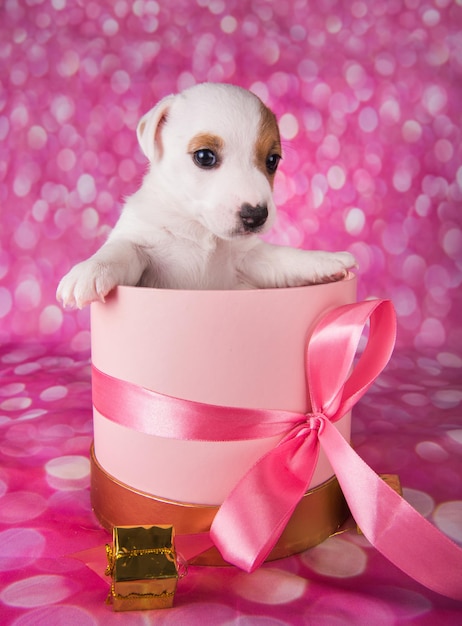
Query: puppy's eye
column 205, row 158
column 272, row 163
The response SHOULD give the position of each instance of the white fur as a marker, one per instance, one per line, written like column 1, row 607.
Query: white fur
column 182, row 228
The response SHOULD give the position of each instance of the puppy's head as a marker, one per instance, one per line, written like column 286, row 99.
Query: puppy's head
column 214, row 150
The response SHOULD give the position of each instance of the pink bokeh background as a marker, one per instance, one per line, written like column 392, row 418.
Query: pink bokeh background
column 368, row 95
column 368, row 99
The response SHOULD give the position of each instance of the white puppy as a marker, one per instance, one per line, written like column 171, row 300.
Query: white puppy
column 213, row 151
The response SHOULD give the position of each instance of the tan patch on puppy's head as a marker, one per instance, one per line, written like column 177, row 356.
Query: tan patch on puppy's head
column 206, row 141
column 268, row 142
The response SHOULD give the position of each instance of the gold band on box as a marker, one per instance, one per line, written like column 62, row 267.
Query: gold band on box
column 318, row 515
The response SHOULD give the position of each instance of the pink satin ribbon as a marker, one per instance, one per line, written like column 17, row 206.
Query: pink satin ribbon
column 251, row 519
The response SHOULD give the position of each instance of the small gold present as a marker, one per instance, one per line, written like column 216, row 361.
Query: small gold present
column 142, row 564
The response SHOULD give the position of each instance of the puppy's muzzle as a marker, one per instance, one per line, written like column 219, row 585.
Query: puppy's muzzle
column 253, row 217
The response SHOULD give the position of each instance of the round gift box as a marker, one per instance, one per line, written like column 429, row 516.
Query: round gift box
column 231, row 348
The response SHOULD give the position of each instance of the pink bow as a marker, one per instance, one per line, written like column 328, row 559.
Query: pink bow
column 251, row 519
column 278, row 481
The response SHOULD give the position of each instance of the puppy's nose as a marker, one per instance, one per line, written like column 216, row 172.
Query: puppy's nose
column 253, row 217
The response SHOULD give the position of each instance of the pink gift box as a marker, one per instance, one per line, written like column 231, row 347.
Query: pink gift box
column 231, row 348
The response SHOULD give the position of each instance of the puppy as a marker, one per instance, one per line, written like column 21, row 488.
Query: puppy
column 213, row 151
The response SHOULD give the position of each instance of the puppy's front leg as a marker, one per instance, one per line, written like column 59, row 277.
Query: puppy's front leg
column 268, row 266
column 117, row 262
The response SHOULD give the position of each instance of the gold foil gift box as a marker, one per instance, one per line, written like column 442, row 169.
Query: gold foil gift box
column 142, row 564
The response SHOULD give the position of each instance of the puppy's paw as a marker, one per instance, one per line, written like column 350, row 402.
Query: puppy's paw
column 334, row 266
column 87, row 282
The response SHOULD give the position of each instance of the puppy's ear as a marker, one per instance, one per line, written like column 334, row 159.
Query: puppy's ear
column 148, row 130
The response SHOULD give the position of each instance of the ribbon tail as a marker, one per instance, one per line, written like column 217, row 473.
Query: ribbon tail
column 253, row 516
column 391, row 525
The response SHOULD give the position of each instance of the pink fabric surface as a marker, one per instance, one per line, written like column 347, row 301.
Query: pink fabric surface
column 368, row 97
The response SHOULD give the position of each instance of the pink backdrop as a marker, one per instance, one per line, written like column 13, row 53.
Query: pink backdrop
column 368, row 95
column 368, row 98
